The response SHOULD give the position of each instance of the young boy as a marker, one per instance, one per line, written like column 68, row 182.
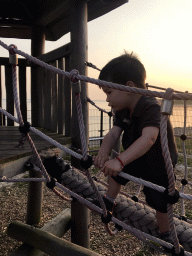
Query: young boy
column 139, row 118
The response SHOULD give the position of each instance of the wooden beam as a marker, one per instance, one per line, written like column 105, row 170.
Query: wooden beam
column 67, row 99
column 80, row 215
column 37, row 48
column 56, row 54
column 61, row 105
column 21, row 62
column 45, row 241
column 9, row 94
column 58, row 226
column 35, row 197
column 1, row 99
column 54, row 98
column 23, row 92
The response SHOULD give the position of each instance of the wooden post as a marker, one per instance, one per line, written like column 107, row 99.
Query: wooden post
column 67, row 99
column 35, row 197
column 61, row 105
column 79, row 214
column 45, row 241
column 23, row 92
column 1, row 99
column 9, row 94
column 58, row 226
column 47, row 100
column 54, row 99
column 35, row 192
column 37, row 49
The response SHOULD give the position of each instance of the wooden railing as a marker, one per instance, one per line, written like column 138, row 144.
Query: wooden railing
column 51, row 105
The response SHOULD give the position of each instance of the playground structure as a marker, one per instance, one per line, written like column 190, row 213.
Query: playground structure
column 37, row 120
column 86, row 161
column 50, row 20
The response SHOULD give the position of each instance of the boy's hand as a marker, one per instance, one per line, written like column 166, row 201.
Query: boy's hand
column 99, row 160
column 111, row 167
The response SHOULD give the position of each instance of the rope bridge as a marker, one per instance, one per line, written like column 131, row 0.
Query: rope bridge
column 86, row 160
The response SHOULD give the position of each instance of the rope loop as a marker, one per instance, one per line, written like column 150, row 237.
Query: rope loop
column 51, row 184
column 184, row 182
column 135, row 198
column 183, row 137
column 73, row 75
column 181, row 251
column 106, row 219
column 171, row 199
column 87, row 163
column 11, row 48
column 182, row 218
column 110, row 114
column 118, row 227
column 169, row 94
column 25, row 128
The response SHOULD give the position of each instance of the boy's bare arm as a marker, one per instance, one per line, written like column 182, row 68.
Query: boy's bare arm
column 107, row 145
column 136, row 150
column 140, row 146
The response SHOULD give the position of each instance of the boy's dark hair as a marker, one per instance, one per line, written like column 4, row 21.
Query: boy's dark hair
column 124, row 68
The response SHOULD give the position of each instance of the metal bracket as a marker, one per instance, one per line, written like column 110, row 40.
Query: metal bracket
column 167, row 107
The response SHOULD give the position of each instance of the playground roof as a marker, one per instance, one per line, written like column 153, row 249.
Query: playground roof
column 18, row 16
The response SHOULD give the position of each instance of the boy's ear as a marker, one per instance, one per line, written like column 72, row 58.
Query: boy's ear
column 130, row 83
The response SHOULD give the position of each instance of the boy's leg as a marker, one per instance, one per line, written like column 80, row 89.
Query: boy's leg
column 113, row 188
column 163, row 222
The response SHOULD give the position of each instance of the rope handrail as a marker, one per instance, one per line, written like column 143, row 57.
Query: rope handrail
column 179, row 96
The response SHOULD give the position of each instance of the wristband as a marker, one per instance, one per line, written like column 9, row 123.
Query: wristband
column 120, row 161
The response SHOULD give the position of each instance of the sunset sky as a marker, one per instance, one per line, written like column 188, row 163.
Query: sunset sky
column 159, row 32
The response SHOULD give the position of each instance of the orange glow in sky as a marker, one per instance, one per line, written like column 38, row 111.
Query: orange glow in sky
column 159, row 32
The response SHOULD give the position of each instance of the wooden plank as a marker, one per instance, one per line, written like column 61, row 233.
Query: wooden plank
column 21, row 62
column 23, row 92
column 9, row 139
column 1, row 115
column 9, row 94
column 47, row 101
column 56, row 54
column 58, row 226
column 61, row 105
column 41, row 79
column 67, row 99
column 45, row 241
column 37, row 48
column 54, row 99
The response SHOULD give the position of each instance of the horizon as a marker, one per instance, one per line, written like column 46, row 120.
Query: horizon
column 158, row 32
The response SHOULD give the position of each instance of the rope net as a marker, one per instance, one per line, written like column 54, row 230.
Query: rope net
column 75, row 77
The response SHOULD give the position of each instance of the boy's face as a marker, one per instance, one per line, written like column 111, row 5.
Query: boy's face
column 117, row 99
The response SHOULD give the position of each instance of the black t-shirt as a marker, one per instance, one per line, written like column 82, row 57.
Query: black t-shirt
column 146, row 113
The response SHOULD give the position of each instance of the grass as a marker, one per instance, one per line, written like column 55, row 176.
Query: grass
column 146, row 251
column 188, row 145
column 188, row 214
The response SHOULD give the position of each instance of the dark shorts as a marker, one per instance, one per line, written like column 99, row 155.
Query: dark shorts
column 154, row 198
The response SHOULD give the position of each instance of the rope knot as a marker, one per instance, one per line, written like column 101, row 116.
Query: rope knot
column 73, row 76
column 87, row 163
column 169, row 94
column 11, row 49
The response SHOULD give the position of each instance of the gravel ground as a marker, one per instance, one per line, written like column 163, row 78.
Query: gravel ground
column 13, row 205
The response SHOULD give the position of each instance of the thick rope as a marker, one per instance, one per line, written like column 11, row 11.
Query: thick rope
column 169, row 167
column 84, row 151
column 185, row 158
